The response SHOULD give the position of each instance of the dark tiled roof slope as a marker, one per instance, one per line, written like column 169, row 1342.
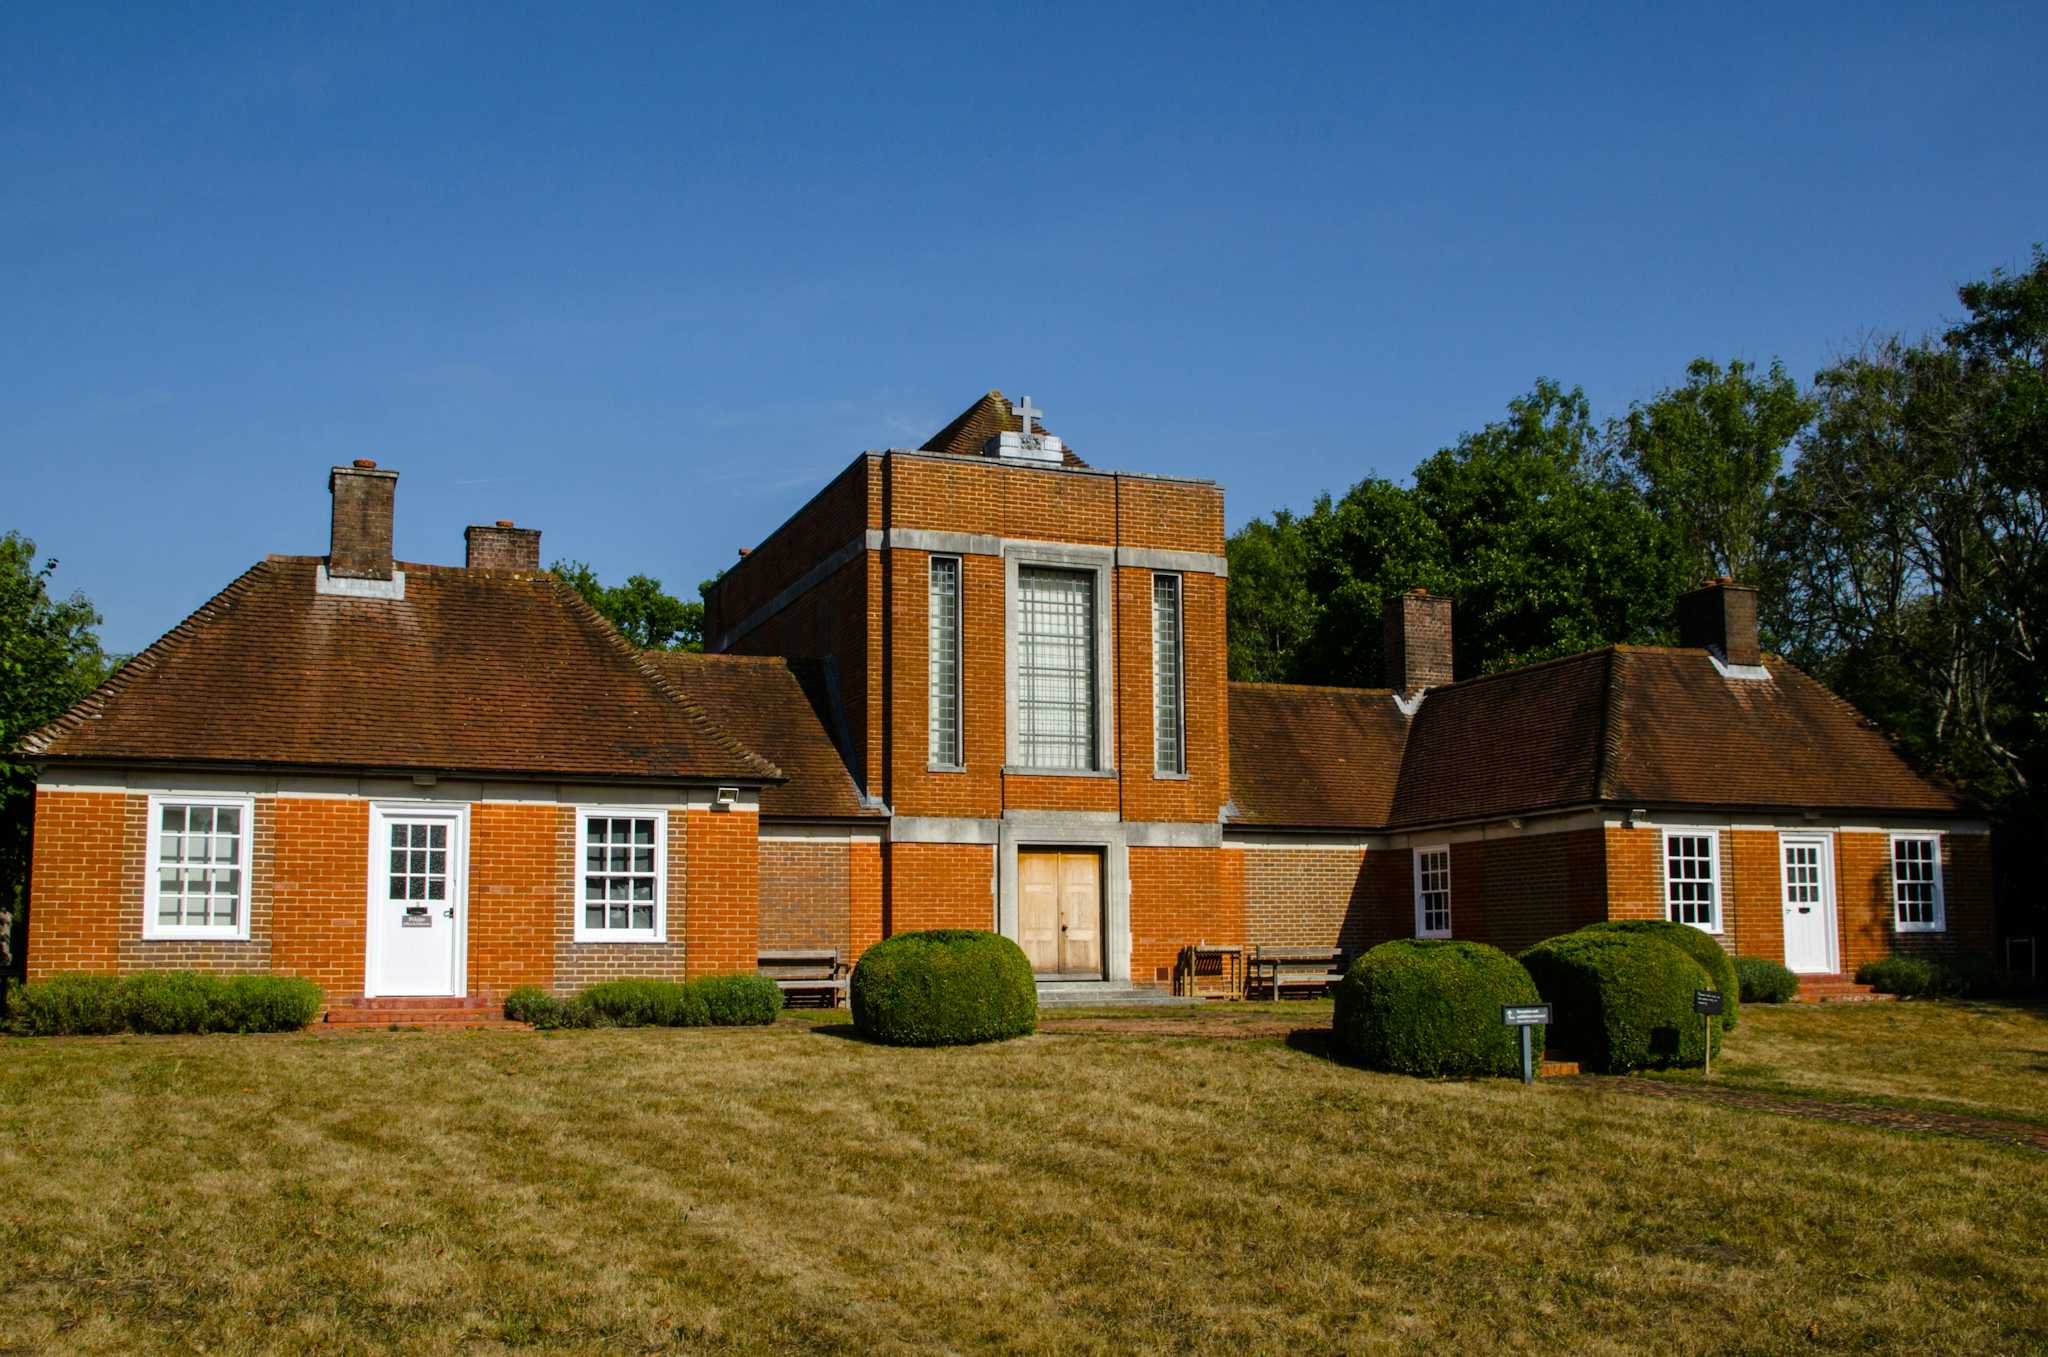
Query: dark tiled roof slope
column 1320, row 758
column 1681, row 733
column 472, row 671
column 1520, row 740
column 1628, row 725
column 968, row 434
column 785, row 710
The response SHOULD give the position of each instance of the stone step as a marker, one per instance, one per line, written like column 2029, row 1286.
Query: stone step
column 1105, row 994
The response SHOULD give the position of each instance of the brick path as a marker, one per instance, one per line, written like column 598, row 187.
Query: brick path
column 1995, row 1130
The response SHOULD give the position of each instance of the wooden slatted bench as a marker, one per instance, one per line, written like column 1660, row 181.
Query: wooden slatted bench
column 1276, row 968
column 812, row 974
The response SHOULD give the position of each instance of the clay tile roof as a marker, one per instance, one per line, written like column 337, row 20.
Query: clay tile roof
column 786, row 710
column 968, row 434
column 1313, row 758
column 472, row 671
column 1520, row 740
column 1682, row 733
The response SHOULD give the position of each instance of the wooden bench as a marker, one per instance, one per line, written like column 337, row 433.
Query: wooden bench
column 1276, row 968
column 813, row 975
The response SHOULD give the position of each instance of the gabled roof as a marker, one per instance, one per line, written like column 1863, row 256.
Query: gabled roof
column 1627, row 725
column 785, row 709
column 1314, row 757
column 968, row 434
column 471, row 671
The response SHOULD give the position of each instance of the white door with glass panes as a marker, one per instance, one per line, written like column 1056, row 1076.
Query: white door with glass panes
column 1807, row 880
column 418, row 898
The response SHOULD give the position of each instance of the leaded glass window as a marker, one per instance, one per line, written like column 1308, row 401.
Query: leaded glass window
column 944, row 690
column 1056, row 713
column 1169, row 753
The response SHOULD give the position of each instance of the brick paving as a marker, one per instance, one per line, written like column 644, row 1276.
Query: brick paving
column 1994, row 1130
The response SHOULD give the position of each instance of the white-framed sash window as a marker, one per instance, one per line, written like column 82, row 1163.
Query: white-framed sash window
column 197, row 885
column 1918, row 905
column 1692, row 878
column 943, row 631
column 1169, row 708
column 1433, row 891
column 622, row 874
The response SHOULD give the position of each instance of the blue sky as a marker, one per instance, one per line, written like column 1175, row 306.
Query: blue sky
column 644, row 276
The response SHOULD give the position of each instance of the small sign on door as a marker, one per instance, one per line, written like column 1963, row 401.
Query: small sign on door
column 416, row 916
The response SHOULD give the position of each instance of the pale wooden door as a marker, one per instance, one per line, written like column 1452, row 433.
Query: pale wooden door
column 1059, row 910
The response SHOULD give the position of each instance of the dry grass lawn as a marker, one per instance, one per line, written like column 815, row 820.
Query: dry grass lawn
column 794, row 1188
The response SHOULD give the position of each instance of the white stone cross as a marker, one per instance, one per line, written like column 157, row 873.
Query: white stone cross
column 1027, row 412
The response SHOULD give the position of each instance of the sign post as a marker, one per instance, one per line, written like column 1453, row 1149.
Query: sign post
column 1525, row 1016
column 1707, row 1003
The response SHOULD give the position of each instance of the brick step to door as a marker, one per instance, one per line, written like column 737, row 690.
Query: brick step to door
column 1835, row 989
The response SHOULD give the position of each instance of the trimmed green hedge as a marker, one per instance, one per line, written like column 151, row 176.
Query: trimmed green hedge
column 1713, row 958
column 1432, row 1007
column 1764, row 981
column 1962, row 976
column 709, row 1001
column 946, row 987
column 1621, row 1001
column 163, row 1002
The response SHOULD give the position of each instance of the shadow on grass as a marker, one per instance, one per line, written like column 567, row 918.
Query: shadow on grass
column 1321, row 1043
column 845, row 1031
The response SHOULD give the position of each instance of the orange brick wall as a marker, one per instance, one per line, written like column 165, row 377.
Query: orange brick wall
column 78, row 877
column 515, row 872
column 722, row 913
column 1310, row 897
column 864, row 888
column 912, row 789
column 1180, row 896
column 939, row 885
column 1198, row 796
column 806, row 893
column 1635, row 873
column 321, row 892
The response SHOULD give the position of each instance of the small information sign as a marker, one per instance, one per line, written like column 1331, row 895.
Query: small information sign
column 1525, row 1016
column 1706, row 1001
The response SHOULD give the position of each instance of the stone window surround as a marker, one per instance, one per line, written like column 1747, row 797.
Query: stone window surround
column 1101, row 562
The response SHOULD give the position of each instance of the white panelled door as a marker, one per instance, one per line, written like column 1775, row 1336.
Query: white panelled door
column 418, row 898
column 1806, row 870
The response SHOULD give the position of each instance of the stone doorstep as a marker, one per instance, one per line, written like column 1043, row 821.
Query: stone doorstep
column 1106, row 994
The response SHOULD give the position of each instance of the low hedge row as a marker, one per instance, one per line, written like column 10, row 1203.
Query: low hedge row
column 944, row 987
column 162, row 1002
column 1432, row 1007
column 1622, row 1000
column 710, row 1001
column 1954, row 977
column 1763, row 981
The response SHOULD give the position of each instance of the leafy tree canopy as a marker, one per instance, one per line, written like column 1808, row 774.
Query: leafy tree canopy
column 643, row 613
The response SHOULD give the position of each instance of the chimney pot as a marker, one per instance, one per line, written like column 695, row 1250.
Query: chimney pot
column 1721, row 615
column 745, row 552
column 502, row 547
column 1417, row 639
column 359, row 544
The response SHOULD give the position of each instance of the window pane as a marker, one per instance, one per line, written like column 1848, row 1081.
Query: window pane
column 643, row 831
column 593, row 916
column 594, row 829
column 621, row 857
column 643, row 859
column 618, row 915
column 643, row 916
column 398, row 836
column 199, row 819
column 437, row 888
column 198, row 848
column 174, row 820
column 643, row 888
column 398, row 888
column 437, row 836
column 1056, row 668
column 227, row 820
column 171, row 848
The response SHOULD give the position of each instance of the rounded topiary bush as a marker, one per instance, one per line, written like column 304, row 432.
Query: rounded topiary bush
column 1621, row 1001
column 1713, row 958
column 946, row 987
column 1764, row 981
column 1432, row 1007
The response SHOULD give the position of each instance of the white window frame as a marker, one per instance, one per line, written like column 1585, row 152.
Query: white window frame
column 658, row 933
column 1940, row 924
column 155, row 931
column 1179, row 768
column 955, row 760
column 1421, row 930
column 1713, row 838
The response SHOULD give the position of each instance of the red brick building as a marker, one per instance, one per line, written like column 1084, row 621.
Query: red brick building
column 976, row 684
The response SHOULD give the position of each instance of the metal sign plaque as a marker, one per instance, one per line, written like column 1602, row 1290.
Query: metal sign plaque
column 1525, row 1015
column 1706, row 1001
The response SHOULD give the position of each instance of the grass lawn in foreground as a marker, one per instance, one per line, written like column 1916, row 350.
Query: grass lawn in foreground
column 795, row 1188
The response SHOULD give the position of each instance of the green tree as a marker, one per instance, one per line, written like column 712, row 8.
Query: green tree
column 644, row 615
column 1272, row 611
column 49, row 658
column 1707, row 453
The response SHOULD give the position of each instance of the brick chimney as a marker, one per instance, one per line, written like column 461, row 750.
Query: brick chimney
column 1721, row 614
column 502, row 546
column 360, row 547
column 1418, row 640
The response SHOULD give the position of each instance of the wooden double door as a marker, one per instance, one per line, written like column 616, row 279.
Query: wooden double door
column 1059, row 910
